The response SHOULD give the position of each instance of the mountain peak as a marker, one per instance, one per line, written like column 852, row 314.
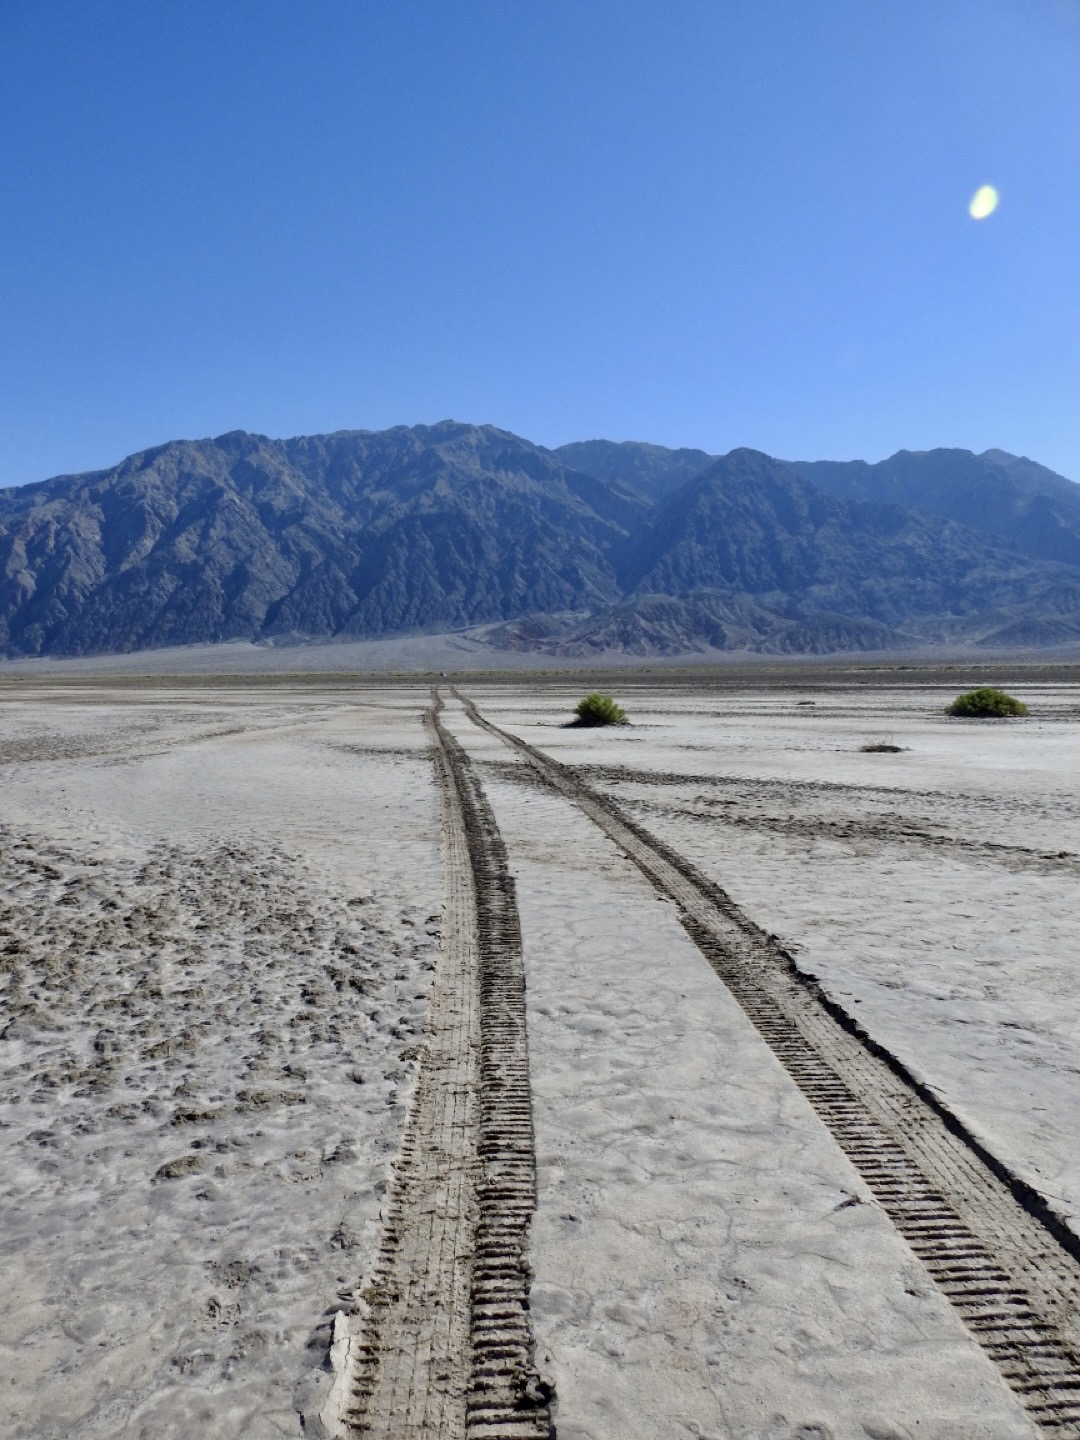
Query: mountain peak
column 449, row 525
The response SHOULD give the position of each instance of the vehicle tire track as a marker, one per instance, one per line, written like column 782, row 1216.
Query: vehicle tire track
column 446, row 1348
column 1007, row 1262
column 880, row 830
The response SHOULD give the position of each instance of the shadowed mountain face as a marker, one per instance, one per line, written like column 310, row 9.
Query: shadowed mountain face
column 355, row 533
column 441, row 527
column 752, row 525
column 1012, row 498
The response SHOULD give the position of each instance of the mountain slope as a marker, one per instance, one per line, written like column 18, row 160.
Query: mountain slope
column 651, row 470
column 696, row 623
column 752, row 525
column 355, row 533
column 1006, row 496
column 364, row 533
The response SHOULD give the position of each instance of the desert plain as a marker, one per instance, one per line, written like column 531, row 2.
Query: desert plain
column 223, row 906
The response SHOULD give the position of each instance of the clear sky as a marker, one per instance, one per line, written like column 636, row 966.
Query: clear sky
column 698, row 222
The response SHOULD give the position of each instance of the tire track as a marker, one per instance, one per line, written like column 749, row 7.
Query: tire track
column 881, row 832
column 877, row 830
column 446, row 1349
column 1008, row 1264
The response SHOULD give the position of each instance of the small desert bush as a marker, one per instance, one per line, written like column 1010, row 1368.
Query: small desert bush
column 597, row 709
column 986, row 703
column 881, row 747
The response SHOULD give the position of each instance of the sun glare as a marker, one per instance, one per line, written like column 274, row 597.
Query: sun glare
column 983, row 203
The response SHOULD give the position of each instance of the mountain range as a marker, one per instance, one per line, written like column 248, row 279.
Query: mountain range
column 590, row 547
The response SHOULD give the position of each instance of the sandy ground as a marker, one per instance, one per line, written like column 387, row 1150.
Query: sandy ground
column 707, row 1262
column 220, row 915
column 218, row 929
column 468, row 650
column 934, row 888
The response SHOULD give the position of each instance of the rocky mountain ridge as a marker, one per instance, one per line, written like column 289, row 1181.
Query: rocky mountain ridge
column 592, row 546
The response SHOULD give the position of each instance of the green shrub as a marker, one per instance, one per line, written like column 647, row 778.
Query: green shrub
column 986, row 703
column 597, row 709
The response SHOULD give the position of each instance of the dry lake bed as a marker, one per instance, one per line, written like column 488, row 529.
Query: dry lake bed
column 793, row 1026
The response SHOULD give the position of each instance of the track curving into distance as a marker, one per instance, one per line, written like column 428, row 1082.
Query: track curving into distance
column 1006, row 1261
column 446, row 1349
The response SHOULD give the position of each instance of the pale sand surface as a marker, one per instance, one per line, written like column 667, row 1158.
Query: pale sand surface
column 218, row 952
column 707, row 1262
column 197, row 983
column 880, row 871
column 469, row 650
column 406, row 654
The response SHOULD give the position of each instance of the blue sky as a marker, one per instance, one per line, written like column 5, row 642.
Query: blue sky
column 702, row 222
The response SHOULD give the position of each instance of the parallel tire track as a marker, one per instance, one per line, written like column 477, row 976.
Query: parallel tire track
column 880, row 830
column 1006, row 1261
column 446, row 1351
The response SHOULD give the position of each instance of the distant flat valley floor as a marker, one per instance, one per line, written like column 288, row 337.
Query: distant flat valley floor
column 221, row 905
